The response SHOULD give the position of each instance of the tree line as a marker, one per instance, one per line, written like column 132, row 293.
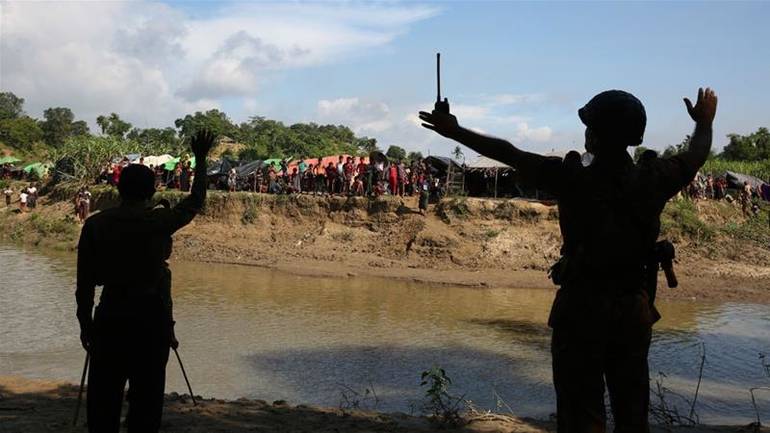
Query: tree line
column 262, row 138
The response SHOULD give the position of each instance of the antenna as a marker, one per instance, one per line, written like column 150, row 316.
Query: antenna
column 438, row 77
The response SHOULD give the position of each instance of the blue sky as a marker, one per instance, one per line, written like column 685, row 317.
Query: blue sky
column 518, row 70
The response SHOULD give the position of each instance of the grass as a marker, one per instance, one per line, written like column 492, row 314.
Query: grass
column 680, row 220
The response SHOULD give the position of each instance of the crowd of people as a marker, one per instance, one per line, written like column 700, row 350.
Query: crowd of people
column 349, row 176
column 716, row 188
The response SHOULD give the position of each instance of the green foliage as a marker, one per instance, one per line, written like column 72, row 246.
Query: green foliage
column 680, row 220
column 20, row 132
column 413, row 156
column 752, row 147
column 752, row 229
column 11, row 106
column 265, row 138
column 48, row 226
column 396, row 153
column 718, row 166
column 213, row 120
column 439, row 403
column 113, row 125
column 88, row 155
column 638, row 151
column 678, row 148
column 251, row 204
column 162, row 140
column 59, row 125
column 457, row 153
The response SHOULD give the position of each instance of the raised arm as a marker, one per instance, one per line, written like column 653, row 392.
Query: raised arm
column 498, row 149
column 181, row 214
column 703, row 114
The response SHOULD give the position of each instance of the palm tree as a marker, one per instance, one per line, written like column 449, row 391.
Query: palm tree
column 458, row 153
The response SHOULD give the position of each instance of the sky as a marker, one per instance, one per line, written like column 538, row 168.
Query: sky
column 517, row 70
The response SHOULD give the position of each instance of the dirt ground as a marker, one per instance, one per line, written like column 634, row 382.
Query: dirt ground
column 36, row 406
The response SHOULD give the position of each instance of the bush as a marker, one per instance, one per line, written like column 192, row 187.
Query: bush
column 680, row 219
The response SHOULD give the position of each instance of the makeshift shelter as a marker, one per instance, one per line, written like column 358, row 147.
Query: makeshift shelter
column 38, row 169
column 249, row 168
column 736, row 180
column 486, row 177
column 451, row 174
column 172, row 163
column 157, row 160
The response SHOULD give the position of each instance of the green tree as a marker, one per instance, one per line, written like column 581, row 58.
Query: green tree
column 20, row 132
column 638, row 151
column 414, row 156
column 79, row 128
column 367, row 145
column 672, row 150
column 752, row 147
column 113, row 125
column 57, row 126
column 11, row 106
column 395, row 153
column 458, row 153
column 155, row 139
column 214, row 120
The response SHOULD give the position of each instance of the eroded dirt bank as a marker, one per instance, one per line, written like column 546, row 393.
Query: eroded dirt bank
column 37, row 406
column 462, row 241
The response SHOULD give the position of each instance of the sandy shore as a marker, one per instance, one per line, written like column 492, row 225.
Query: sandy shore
column 37, row 406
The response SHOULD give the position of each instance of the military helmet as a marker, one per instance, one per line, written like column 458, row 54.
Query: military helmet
column 615, row 116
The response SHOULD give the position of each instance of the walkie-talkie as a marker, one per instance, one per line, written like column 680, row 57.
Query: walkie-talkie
column 441, row 106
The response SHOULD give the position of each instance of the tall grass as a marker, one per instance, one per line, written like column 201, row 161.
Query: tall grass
column 717, row 167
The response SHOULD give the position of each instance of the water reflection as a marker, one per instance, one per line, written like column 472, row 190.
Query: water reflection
column 252, row 332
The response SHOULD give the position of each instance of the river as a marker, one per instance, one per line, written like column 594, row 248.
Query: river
column 257, row 333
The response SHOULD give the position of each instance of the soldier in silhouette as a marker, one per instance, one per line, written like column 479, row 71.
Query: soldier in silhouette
column 609, row 215
column 124, row 249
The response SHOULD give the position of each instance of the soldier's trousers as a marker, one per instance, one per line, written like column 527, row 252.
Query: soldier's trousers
column 608, row 349
column 133, row 349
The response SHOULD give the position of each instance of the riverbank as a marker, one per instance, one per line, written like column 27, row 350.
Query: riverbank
column 37, row 406
column 461, row 241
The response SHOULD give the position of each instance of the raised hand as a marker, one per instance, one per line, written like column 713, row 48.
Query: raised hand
column 443, row 122
column 705, row 107
column 201, row 143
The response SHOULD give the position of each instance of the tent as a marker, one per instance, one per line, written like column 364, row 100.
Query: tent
column 485, row 176
column 9, row 160
column 172, row 163
column 449, row 171
column 39, row 169
column 249, row 168
column 155, row 161
column 736, row 180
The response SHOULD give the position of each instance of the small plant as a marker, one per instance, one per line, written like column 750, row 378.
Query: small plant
column 352, row 399
column 250, row 212
column 439, row 403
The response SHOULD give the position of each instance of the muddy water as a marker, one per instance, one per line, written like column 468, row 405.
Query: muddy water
column 250, row 332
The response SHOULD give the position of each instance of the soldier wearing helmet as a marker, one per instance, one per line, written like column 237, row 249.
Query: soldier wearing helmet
column 609, row 215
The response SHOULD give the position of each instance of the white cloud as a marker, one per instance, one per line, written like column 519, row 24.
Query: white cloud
column 364, row 117
column 151, row 63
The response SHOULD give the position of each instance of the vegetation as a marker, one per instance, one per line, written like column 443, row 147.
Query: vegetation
column 718, row 166
column 439, row 403
column 60, row 134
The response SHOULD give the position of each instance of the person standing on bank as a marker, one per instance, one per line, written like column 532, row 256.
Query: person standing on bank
column 129, row 335
column 609, row 214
